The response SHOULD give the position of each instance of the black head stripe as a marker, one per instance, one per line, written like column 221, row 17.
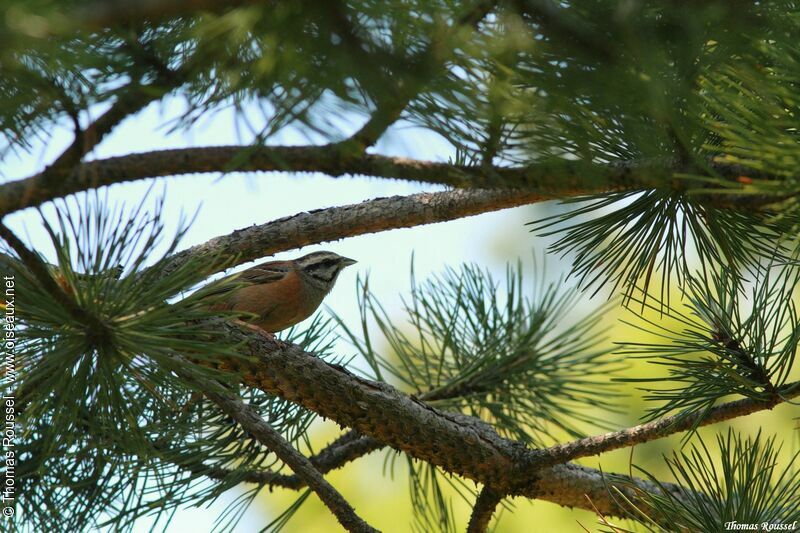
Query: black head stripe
column 321, row 266
column 325, row 269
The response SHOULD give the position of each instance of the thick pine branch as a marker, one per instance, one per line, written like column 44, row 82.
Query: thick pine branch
column 494, row 456
column 353, row 445
column 549, row 180
column 554, row 179
column 456, row 443
column 334, row 223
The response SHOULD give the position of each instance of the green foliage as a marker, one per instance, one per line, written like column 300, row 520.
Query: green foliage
column 296, row 63
column 737, row 337
column 750, row 109
column 531, row 81
column 109, row 432
column 742, row 483
column 502, row 352
column 433, row 507
column 630, row 238
column 514, row 354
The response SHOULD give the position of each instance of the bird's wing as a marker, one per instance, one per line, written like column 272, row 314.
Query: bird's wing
column 257, row 275
column 263, row 274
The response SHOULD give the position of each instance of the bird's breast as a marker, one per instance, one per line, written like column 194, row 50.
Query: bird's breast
column 280, row 305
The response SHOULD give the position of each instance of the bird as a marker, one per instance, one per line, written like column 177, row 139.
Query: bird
column 276, row 295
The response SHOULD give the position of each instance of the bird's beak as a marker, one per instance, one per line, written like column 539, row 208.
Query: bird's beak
column 346, row 262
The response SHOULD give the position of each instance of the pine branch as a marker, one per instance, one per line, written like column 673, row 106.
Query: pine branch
column 348, row 447
column 550, row 180
column 274, row 441
column 573, row 485
column 133, row 99
column 742, row 481
column 553, row 179
column 330, row 224
column 483, row 510
column 456, row 443
column 377, row 409
column 334, row 223
column 352, row 445
column 664, row 427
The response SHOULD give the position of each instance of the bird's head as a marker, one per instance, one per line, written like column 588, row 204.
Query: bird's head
column 322, row 268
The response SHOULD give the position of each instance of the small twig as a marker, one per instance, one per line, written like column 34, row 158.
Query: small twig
column 483, row 510
column 250, row 420
column 661, row 428
column 128, row 103
column 601, row 518
column 346, row 448
column 133, row 98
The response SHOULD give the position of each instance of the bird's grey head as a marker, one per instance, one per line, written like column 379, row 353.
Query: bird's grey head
column 322, row 268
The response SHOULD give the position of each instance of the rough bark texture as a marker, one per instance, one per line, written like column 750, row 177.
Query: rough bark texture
column 352, row 445
column 483, row 510
column 548, row 180
column 573, row 485
column 663, row 427
column 456, row 443
column 331, row 224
